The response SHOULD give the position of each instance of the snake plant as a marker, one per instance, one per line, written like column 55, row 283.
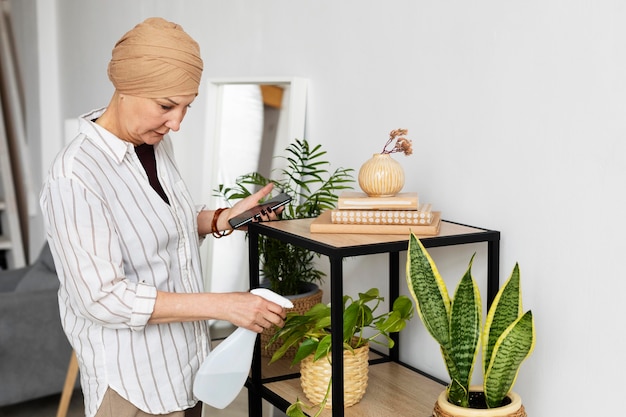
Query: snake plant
column 508, row 336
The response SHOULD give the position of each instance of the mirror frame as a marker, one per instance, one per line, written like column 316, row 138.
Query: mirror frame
column 296, row 117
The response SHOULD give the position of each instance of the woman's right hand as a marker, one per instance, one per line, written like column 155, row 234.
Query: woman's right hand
column 244, row 309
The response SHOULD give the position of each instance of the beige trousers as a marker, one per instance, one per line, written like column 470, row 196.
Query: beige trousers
column 113, row 405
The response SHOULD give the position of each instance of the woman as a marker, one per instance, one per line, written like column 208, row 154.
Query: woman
column 125, row 235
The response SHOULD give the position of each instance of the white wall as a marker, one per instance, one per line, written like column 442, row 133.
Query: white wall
column 516, row 110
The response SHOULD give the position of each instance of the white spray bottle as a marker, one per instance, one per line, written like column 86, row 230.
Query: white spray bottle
column 224, row 371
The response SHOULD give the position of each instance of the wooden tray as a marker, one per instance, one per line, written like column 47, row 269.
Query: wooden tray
column 323, row 224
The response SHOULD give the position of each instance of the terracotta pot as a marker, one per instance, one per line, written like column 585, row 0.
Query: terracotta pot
column 445, row 409
column 314, row 377
column 381, row 176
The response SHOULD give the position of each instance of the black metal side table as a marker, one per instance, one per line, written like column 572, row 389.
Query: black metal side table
column 337, row 247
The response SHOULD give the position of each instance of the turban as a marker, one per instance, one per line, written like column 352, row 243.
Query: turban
column 156, row 59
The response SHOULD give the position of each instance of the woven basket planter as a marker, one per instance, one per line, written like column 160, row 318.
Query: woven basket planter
column 444, row 409
column 301, row 304
column 314, row 377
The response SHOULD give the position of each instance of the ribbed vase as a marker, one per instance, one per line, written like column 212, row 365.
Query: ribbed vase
column 381, row 176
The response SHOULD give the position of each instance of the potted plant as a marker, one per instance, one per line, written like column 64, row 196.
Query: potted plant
column 287, row 269
column 310, row 334
column 507, row 338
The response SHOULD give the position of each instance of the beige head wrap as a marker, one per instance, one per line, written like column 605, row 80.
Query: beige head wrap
column 156, row 59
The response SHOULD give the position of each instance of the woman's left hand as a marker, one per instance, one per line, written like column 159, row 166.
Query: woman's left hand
column 248, row 203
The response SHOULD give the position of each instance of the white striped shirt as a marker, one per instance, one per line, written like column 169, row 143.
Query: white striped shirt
column 115, row 242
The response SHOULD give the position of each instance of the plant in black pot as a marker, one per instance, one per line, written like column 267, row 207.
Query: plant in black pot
column 307, row 177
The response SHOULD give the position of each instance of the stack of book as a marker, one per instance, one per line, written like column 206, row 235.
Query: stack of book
column 404, row 208
column 356, row 212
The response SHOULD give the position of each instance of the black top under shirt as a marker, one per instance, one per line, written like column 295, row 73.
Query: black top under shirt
column 145, row 153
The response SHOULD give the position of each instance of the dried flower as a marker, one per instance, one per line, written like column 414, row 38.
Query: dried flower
column 400, row 143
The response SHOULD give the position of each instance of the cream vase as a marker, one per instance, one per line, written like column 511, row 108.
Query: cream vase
column 381, row 176
column 314, row 377
column 444, row 409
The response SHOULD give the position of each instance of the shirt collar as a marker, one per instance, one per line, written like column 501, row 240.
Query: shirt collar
column 107, row 141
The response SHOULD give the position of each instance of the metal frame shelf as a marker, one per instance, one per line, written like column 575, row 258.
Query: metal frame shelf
column 337, row 247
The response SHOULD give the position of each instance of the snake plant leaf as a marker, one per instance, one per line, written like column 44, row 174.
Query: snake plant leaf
column 429, row 291
column 506, row 308
column 457, row 393
column 465, row 330
column 514, row 345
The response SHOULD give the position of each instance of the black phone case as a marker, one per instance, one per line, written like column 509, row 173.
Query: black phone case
column 255, row 212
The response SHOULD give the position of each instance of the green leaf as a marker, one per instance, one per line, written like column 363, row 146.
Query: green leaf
column 369, row 295
column 307, row 347
column 505, row 309
column 429, row 291
column 465, row 329
column 402, row 311
column 514, row 345
column 404, row 306
column 457, row 393
column 393, row 323
column 350, row 320
column 318, row 310
column 295, row 409
column 292, row 340
column 323, row 348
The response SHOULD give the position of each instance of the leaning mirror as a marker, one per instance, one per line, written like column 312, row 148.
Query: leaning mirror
column 248, row 121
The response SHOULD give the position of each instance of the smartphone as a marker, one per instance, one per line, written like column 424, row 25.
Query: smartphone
column 255, row 212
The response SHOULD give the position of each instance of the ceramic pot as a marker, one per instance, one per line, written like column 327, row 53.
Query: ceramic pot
column 445, row 409
column 381, row 176
column 314, row 377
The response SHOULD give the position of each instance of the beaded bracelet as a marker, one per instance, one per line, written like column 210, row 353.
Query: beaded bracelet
column 214, row 230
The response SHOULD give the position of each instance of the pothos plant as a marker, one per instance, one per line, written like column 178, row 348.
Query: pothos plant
column 311, row 332
column 507, row 338
column 314, row 188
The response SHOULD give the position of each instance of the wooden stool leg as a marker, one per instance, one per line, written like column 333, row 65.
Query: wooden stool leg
column 68, row 388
